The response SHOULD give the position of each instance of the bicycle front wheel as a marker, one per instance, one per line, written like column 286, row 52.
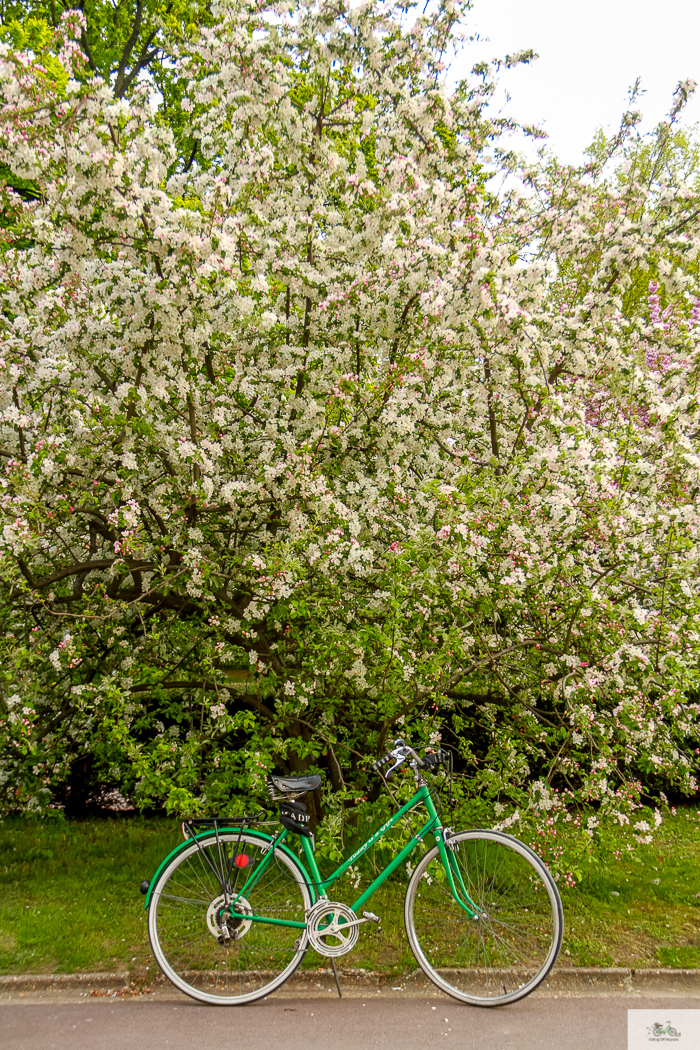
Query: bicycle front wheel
column 188, row 908
column 502, row 952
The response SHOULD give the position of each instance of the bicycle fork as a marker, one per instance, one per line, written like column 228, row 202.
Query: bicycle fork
column 459, row 890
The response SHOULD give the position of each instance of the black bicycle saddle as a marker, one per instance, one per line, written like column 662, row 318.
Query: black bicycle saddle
column 296, row 785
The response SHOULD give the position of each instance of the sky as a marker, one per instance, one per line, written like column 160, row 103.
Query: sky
column 590, row 55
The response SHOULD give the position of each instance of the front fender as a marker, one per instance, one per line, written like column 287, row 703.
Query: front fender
column 235, row 831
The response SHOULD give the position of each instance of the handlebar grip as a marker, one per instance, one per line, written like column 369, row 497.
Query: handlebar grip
column 376, row 766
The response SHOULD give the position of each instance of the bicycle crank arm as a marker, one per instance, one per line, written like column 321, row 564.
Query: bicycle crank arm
column 338, row 927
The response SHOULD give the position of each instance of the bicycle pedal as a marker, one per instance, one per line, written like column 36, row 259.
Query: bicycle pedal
column 370, row 916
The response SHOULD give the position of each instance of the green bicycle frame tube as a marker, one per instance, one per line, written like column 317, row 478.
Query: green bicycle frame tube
column 421, row 795
column 277, row 922
column 255, row 876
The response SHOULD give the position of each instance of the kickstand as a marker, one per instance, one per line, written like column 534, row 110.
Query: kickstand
column 337, row 982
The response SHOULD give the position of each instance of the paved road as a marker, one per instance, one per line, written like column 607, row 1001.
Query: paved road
column 598, row 1023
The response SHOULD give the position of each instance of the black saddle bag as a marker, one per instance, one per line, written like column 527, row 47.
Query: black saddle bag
column 294, row 816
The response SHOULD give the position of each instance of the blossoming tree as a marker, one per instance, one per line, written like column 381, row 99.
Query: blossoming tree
column 320, row 442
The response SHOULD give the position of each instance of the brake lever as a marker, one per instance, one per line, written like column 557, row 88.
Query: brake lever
column 400, row 754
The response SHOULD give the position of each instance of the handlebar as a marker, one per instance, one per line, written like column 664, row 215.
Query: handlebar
column 401, row 751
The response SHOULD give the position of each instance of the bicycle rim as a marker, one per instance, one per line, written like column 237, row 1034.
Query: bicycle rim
column 503, row 954
column 185, row 914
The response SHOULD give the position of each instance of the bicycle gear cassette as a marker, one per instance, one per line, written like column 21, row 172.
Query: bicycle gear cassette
column 229, row 923
column 332, row 928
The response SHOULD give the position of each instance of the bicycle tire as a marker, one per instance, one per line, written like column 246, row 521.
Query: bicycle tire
column 184, row 922
column 503, row 955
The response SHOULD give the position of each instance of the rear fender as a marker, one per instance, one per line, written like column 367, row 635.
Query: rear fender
column 236, row 831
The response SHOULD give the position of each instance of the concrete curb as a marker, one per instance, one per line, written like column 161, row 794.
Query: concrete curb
column 35, row 982
column 622, row 980
column 563, row 980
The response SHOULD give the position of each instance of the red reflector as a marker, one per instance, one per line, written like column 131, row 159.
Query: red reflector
column 242, row 861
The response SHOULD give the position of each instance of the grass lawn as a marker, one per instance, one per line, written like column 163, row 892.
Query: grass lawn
column 70, row 901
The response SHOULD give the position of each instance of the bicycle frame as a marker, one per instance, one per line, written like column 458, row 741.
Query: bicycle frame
column 319, row 885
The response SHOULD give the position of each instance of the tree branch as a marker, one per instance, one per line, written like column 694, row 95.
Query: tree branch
column 89, row 566
column 119, row 85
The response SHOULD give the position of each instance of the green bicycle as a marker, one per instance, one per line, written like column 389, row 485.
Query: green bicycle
column 232, row 911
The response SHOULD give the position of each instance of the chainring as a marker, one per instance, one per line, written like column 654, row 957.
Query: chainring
column 332, row 928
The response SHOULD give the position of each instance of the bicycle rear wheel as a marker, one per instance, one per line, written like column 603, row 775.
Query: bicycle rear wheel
column 187, row 910
column 503, row 953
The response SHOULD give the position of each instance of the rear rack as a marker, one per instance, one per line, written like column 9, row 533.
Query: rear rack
column 191, row 825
